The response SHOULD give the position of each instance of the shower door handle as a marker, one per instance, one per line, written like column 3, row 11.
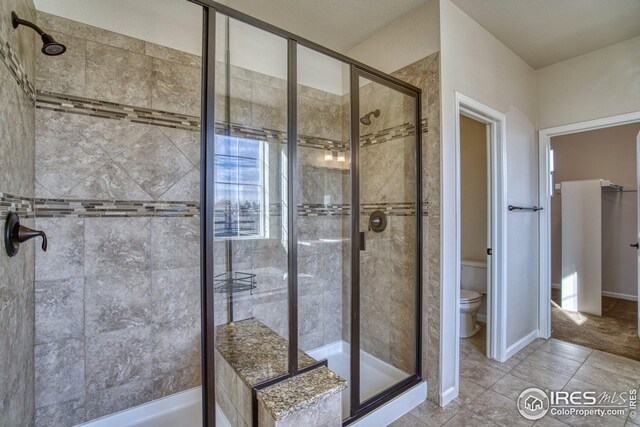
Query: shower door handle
column 363, row 241
column 635, row 245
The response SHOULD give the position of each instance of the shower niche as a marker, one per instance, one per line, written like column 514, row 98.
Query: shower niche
column 315, row 217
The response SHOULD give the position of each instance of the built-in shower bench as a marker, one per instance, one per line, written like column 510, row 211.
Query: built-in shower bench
column 248, row 355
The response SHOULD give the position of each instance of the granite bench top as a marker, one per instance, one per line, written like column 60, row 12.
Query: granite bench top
column 300, row 392
column 255, row 352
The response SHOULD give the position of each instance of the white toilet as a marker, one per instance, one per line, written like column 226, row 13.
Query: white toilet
column 473, row 284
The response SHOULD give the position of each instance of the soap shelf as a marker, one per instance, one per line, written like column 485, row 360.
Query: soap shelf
column 233, row 282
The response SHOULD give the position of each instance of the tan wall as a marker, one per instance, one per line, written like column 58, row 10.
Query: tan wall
column 476, row 64
column 473, row 189
column 608, row 154
column 602, row 83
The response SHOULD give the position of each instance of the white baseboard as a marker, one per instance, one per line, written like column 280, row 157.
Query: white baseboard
column 521, row 343
column 620, row 296
column 627, row 297
column 448, row 396
column 481, row 318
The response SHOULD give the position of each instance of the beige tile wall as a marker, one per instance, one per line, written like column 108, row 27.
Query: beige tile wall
column 16, row 179
column 117, row 306
column 425, row 74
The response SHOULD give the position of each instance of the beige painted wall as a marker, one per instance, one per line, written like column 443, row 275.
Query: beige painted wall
column 417, row 32
column 609, row 154
column 478, row 65
column 602, row 83
column 473, row 189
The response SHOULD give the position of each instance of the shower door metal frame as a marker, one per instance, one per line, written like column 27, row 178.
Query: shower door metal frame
column 207, row 144
column 208, row 133
column 358, row 408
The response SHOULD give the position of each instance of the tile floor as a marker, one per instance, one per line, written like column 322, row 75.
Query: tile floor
column 489, row 389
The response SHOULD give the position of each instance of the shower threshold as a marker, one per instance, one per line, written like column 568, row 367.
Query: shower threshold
column 375, row 376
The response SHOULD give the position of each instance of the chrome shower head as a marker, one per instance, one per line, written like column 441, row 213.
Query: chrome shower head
column 50, row 46
column 366, row 119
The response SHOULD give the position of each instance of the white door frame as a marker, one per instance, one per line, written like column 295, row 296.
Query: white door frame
column 544, row 250
column 638, row 224
column 496, row 291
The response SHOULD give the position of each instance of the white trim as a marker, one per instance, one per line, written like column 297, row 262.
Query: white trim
column 544, row 229
column 481, row 318
column 628, row 297
column 522, row 343
column 449, row 394
column 618, row 295
column 496, row 291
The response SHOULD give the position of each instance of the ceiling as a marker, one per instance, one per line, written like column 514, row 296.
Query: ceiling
column 543, row 32
column 336, row 24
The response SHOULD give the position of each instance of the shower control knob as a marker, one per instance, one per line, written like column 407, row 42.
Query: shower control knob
column 14, row 234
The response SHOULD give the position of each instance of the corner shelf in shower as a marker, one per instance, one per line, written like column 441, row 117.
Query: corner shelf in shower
column 233, row 282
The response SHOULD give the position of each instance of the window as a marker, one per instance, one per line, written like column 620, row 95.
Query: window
column 239, row 210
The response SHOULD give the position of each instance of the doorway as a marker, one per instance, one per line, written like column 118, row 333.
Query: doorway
column 475, row 228
column 589, row 272
column 494, row 124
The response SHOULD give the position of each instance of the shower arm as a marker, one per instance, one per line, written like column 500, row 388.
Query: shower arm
column 16, row 22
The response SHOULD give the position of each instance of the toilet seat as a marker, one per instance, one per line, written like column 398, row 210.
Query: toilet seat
column 467, row 296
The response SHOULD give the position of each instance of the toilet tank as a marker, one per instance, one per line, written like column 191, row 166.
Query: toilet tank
column 473, row 276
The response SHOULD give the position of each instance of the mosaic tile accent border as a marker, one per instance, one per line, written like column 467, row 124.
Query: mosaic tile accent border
column 9, row 57
column 54, row 208
column 22, row 205
column 322, row 144
column 386, row 135
column 59, row 208
column 110, row 110
column 391, row 209
column 323, row 210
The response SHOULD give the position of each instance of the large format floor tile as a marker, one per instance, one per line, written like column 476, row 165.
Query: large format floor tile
column 489, row 390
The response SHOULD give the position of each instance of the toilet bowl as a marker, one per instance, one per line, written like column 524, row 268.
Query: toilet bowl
column 469, row 305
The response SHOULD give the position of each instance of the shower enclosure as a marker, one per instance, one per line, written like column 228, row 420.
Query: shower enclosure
column 311, row 208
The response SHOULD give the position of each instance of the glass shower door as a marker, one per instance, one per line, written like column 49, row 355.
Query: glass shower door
column 387, row 208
